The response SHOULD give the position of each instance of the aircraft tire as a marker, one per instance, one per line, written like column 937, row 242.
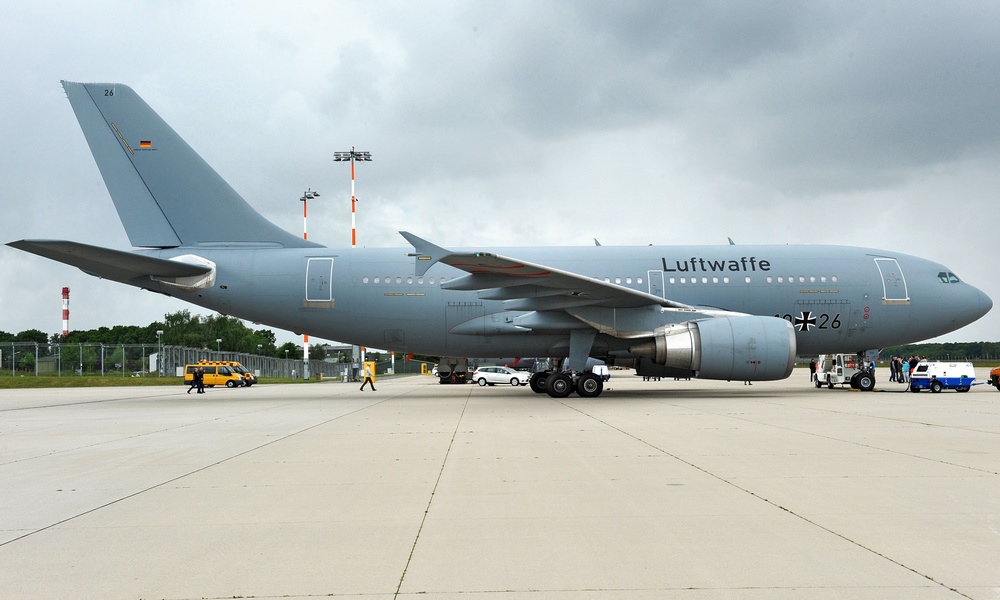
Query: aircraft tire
column 537, row 382
column 589, row 386
column 559, row 385
column 936, row 386
column 866, row 382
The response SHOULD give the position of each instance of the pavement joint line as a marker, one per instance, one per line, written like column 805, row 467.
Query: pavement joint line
column 137, row 435
column 198, row 470
column 859, row 444
column 430, row 500
column 768, row 501
column 892, row 419
column 148, row 396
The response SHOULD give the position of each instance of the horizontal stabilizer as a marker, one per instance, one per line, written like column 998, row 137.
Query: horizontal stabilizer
column 110, row 264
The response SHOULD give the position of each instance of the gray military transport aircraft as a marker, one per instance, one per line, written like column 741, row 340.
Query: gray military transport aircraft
column 715, row 312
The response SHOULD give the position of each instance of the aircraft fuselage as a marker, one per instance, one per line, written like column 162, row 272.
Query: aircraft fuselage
column 838, row 299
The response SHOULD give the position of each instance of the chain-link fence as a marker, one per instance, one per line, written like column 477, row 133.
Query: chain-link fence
column 152, row 360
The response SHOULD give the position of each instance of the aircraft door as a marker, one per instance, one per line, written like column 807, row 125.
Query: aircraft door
column 319, row 282
column 655, row 279
column 893, row 283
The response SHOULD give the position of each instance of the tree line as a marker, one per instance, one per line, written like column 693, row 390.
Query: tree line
column 180, row 328
column 947, row 351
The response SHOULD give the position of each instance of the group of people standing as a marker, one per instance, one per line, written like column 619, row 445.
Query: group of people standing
column 900, row 368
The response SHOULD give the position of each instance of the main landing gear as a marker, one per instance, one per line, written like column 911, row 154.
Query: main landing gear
column 561, row 384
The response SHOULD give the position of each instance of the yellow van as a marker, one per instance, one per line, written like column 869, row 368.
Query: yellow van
column 214, row 375
column 246, row 374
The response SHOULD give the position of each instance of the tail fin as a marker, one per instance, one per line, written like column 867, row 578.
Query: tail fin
column 166, row 195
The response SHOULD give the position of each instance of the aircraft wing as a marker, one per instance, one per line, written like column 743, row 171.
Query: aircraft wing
column 529, row 286
column 111, row 264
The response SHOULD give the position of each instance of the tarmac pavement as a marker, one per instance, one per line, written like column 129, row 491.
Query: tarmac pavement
column 682, row 489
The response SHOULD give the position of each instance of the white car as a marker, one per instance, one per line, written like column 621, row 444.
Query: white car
column 493, row 375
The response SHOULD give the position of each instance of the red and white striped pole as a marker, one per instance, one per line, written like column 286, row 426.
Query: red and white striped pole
column 353, row 155
column 354, row 204
column 65, row 313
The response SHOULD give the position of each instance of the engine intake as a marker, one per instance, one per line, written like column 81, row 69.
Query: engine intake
column 744, row 348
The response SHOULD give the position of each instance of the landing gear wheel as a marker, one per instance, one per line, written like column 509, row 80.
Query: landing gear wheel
column 936, row 386
column 854, row 381
column 589, row 386
column 866, row 382
column 537, row 382
column 559, row 385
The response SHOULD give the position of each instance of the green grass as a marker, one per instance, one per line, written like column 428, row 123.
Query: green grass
column 67, row 381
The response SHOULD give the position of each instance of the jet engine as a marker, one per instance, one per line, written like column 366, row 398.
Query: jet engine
column 745, row 348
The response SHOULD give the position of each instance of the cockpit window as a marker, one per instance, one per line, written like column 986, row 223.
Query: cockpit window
column 947, row 277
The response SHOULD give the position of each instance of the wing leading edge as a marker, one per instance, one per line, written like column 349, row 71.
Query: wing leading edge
column 525, row 285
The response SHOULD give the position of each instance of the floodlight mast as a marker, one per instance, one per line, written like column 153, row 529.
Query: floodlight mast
column 309, row 194
column 353, row 155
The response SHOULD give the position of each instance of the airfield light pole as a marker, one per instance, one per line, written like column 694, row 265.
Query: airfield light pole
column 159, row 352
column 308, row 195
column 353, row 156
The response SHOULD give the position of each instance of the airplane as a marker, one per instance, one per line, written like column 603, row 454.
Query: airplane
column 729, row 312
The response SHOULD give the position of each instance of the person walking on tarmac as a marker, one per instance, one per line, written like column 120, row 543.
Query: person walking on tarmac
column 200, row 378
column 369, row 378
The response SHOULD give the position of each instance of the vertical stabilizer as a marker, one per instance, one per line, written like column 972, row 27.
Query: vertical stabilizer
column 166, row 195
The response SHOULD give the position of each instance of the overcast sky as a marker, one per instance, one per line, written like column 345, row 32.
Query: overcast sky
column 857, row 123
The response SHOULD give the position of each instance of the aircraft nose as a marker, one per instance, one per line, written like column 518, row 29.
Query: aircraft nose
column 985, row 303
column 975, row 305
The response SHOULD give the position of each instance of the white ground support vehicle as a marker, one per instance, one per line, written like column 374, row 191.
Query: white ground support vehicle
column 844, row 369
column 940, row 375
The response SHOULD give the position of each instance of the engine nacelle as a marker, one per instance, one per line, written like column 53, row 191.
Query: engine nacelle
column 743, row 348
